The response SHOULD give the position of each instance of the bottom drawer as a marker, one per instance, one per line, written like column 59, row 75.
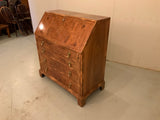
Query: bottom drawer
column 66, row 72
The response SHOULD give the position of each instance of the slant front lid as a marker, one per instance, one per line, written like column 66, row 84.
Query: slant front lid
column 65, row 29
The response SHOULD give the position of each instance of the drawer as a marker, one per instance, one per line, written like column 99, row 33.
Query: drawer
column 70, row 85
column 56, row 74
column 65, row 71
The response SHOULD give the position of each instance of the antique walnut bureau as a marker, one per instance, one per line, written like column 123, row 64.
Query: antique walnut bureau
column 72, row 51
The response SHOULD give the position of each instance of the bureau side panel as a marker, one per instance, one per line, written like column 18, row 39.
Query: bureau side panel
column 94, row 57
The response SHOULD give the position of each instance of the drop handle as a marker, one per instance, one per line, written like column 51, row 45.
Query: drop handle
column 69, row 54
column 69, row 64
column 42, row 43
column 69, row 74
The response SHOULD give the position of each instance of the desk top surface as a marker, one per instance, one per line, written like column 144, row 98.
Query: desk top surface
column 77, row 14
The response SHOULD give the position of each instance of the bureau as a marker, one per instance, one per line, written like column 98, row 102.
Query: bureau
column 72, row 50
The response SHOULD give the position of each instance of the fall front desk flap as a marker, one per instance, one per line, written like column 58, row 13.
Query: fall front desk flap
column 69, row 29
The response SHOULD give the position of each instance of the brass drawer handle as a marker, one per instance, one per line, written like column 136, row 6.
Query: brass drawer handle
column 70, row 85
column 69, row 74
column 69, row 64
column 46, row 69
column 42, row 43
column 69, row 54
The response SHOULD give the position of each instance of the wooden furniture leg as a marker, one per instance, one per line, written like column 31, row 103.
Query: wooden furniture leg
column 41, row 74
column 81, row 102
column 7, row 29
column 102, row 86
column 15, row 29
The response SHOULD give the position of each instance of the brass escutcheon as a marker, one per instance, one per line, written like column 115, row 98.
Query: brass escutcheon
column 83, row 26
column 69, row 74
column 69, row 64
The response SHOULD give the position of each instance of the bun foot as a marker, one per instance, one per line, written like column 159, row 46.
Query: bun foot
column 81, row 102
column 102, row 86
column 41, row 74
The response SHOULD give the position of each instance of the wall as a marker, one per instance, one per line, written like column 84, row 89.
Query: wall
column 135, row 28
column 38, row 7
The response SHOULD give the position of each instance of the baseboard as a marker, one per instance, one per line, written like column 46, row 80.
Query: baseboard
column 133, row 65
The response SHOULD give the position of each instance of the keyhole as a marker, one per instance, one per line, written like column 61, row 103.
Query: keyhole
column 83, row 26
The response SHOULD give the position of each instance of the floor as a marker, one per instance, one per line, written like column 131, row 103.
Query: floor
column 130, row 94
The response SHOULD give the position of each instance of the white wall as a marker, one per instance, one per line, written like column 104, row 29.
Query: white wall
column 135, row 37
column 135, row 27
column 38, row 7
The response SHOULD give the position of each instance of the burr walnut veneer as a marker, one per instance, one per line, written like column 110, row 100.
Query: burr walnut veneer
column 72, row 50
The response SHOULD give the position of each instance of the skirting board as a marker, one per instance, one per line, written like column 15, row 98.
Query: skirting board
column 133, row 65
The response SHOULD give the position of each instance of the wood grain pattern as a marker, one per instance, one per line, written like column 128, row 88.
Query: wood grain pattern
column 94, row 57
column 72, row 51
column 70, row 32
column 78, row 15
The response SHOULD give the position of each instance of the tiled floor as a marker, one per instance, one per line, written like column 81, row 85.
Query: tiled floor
column 130, row 93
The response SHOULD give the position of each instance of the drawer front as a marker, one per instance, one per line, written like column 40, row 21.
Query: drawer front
column 68, row 77
column 65, row 71
column 70, row 85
